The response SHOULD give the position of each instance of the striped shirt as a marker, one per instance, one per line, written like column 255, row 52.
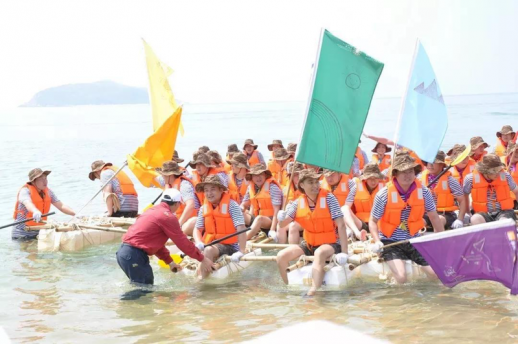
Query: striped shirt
column 186, row 189
column 233, row 209
column 380, row 203
column 275, row 194
column 332, row 205
column 128, row 202
column 492, row 204
column 19, row 230
column 239, row 182
column 453, row 184
column 224, row 178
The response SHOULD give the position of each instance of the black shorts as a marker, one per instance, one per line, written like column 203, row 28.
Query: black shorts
column 310, row 250
column 131, row 214
column 450, row 217
column 403, row 251
column 365, row 226
column 498, row 215
column 226, row 249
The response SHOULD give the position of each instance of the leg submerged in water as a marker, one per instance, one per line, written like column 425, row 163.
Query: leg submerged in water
column 283, row 260
column 322, row 254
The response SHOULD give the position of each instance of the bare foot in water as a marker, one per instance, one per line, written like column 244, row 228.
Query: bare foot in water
column 311, row 292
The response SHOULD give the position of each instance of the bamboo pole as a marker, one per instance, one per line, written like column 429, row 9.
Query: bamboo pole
column 37, row 228
column 255, row 259
column 270, row 246
column 265, row 241
column 329, row 266
column 297, row 265
column 106, row 229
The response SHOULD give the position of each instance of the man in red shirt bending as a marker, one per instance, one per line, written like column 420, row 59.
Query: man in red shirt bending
column 148, row 236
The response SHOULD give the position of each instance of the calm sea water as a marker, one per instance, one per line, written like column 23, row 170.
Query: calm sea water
column 75, row 297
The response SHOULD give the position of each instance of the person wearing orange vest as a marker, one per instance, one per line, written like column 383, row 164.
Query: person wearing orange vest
column 361, row 157
column 445, row 192
column 273, row 146
column 338, row 183
column 462, row 169
column 218, row 217
column 119, row 193
column 278, row 166
column 358, row 205
column 490, row 187
column 237, row 183
column 231, row 150
column 290, row 233
column 381, row 157
column 34, row 200
column 202, row 168
column 397, row 215
column 172, row 177
column 252, row 154
column 505, row 136
column 291, row 149
column 317, row 211
column 217, row 160
column 478, row 147
column 263, row 199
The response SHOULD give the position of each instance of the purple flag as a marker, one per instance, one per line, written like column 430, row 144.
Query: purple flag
column 481, row 252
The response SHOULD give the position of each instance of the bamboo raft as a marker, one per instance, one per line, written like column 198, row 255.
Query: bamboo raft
column 82, row 233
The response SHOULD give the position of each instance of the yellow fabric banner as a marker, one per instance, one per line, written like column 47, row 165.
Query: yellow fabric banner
column 158, row 148
column 161, row 97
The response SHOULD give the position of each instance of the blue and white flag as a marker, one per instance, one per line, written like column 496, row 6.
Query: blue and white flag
column 423, row 119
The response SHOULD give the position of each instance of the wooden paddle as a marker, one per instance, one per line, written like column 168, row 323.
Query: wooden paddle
column 153, row 203
column 27, row 220
column 455, row 162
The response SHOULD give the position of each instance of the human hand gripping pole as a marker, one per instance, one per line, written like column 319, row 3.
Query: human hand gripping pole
column 27, row 220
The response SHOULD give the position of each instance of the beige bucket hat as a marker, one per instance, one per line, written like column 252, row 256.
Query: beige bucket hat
column 169, row 168
column 239, row 159
column 251, row 143
column 275, row 142
column 372, row 170
column 307, row 174
column 258, row 169
column 210, row 180
column 201, row 158
column 378, row 144
column 36, row 173
column 490, row 164
column 506, row 129
column 292, row 148
column 476, row 142
column 97, row 166
column 177, row 158
column 215, row 156
column 281, row 154
column 403, row 162
column 232, row 148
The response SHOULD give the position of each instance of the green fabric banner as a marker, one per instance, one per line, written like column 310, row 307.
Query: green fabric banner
column 343, row 88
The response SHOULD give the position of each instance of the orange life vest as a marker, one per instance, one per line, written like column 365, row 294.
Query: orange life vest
column 364, row 199
column 261, row 203
column 279, row 172
column 319, row 227
column 384, row 163
column 480, row 189
column 176, row 185
column 196, row 179
column 467, row 170
column 360, row 157
column 125, row 182
column 341, row 191
column 218, row 222
column 441, row 191
column 236, row 193
column 227, row 167
column 391, row 219
column 42, row 204
column 253, row 159
column 500, row 147
column 294, row 194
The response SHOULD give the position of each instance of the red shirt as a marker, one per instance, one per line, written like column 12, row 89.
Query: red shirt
column 153, row 228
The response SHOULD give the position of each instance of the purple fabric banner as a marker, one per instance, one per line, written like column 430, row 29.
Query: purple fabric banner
column 481, row 252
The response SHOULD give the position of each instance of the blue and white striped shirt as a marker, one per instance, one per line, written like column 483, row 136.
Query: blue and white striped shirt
column 19, row 230
column 380, row 203
column 332, row 205
column 454, row 186
column 492, row 204
column 128, row 202
column 275, row 194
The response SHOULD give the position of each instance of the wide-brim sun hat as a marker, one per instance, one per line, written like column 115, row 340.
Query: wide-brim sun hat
column 201, row 158
column 476, row 142
column 388, row 149
column 251, row 143
column 213, row 179
column 372, row 170
column 307, row 174
column 36, row 173
column 239, row 159
column 294, row 167
column 232, row 148
column 275, row 142
column 177, row 158
column 281, row 154
column 257, row 170
column 97, row 166
column 404, row 162
column 506, row 129
column 169, row 168
column 490, row 164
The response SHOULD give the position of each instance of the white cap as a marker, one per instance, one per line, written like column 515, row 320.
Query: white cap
column 172, row 195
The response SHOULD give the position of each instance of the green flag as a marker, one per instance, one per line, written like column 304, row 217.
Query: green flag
column 343, row 86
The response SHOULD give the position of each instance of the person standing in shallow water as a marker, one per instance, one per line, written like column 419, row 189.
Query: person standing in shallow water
column 33, row 200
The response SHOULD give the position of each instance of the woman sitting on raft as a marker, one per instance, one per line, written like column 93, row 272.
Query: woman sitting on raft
column 318, row 212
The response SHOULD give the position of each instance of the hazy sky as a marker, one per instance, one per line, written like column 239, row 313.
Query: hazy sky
column 234, row 51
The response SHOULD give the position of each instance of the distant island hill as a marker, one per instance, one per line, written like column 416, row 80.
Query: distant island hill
column 95, row 93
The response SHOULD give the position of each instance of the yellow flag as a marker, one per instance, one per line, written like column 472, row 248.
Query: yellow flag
column 160, row 94
column 159, row 147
